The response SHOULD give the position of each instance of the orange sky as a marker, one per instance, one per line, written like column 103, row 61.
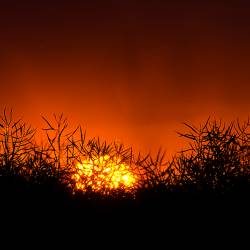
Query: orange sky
column 126, row 70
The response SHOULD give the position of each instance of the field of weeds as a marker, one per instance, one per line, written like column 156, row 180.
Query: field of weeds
column 98, row 179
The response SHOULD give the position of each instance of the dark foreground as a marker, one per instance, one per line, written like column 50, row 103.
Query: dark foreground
column 49, row 217
column 52, row 206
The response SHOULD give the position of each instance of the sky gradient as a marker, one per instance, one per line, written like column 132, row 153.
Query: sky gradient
column 132, row 71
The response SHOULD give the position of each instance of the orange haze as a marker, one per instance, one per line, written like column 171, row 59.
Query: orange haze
column 132, row 71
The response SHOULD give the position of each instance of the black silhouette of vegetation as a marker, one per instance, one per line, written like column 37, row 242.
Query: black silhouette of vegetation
column 218, row 159
column 214, row 167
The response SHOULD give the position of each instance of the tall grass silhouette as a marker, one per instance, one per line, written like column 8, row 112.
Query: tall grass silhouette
column 69, row 171
column 217, row 159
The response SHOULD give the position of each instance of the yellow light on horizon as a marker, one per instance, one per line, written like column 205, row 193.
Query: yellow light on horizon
column 103, row 173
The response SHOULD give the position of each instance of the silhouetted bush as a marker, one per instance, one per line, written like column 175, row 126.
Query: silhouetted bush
column 217, row 159
column 40, row 177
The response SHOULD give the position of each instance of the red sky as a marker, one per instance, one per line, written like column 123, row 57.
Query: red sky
column 126, row 70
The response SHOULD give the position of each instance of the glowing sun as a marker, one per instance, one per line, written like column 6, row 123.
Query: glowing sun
column 103, row 173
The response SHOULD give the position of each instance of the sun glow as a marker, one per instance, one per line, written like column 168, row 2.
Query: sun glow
column 103, row 173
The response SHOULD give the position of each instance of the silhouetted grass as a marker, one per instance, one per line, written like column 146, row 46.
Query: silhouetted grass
column 214, row 173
